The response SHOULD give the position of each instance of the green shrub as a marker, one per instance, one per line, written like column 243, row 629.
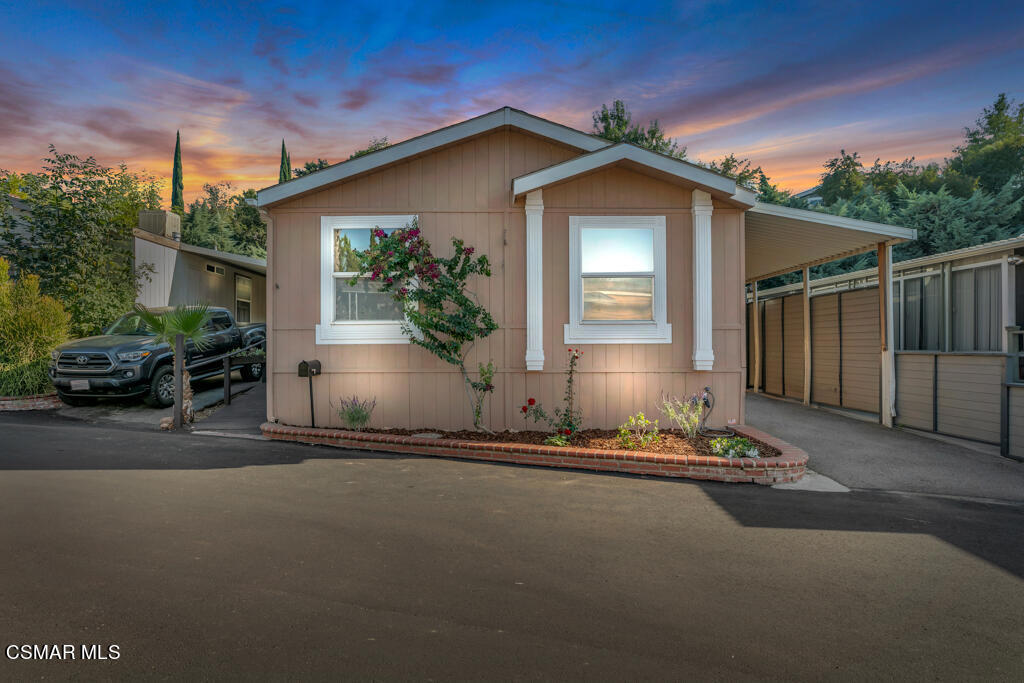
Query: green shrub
column 686, row 414
column 355, row 414
column 557, row 440
column 734, row 447
column 25, row 379
column 638, row 432
column 31, row 325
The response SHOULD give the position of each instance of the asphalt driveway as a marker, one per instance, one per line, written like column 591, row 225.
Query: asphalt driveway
column 865, row 455
column 206, row 558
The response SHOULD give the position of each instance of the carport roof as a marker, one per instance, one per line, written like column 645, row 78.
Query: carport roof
column 780, row 239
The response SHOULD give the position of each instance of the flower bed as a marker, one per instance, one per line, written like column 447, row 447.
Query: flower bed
column 34, row 402
column 691, row 459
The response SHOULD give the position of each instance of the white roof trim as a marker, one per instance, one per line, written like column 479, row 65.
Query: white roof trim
column 822, row 218
column 424, row 143
column 626, row 152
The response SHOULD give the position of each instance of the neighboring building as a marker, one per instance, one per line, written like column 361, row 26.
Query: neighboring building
column 955, row 328
column 185, row 274
column 812, row 196
column 637, row 258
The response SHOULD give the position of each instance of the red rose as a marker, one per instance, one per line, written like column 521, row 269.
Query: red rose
column 525, row 409
column 531, row 401
column 567, row 432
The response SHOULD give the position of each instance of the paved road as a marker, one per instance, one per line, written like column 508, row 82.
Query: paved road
column 866, row 455
column 203, row 557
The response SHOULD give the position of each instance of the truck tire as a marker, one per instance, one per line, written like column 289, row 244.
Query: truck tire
column 161, row 388
column 72, row 400
column 252, row 373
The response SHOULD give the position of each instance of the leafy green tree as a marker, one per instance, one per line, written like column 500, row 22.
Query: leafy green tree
column 842, row 178
column 177, row 180
column 310, row 167
column 285, row 172
column 221, row 219
column 993, row 152
column 374, row 145
column 77, row 236
column 616, row 124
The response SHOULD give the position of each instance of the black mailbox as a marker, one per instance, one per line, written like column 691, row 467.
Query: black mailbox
column 309, row 368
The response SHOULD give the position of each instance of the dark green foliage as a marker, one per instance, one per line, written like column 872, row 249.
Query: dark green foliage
column 994, row 151
column 77, row 236
column 842, row 178
column 616, row 124
column 310, row 167
column 31, row 325
column 224, row 221
column 177, row 180
column 374, row 145
column 25, row 379
column 285, row 172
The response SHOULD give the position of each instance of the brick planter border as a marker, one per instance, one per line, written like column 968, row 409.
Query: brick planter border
column 788, row 466
column 35, row 402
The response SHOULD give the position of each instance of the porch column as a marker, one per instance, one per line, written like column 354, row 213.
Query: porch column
column 534, row 280
column 886, row 409
column 807, row 336
column 703, row 354
column 757, row 341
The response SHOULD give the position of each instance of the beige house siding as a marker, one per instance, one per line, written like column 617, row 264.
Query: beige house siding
column 825, row 349
column 968, row 396
column 861, row 355
column 915, row 385
column 464, row 191
column 793, row 329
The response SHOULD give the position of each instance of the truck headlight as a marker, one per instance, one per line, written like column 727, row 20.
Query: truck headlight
column 132, row 355
column 55, row 354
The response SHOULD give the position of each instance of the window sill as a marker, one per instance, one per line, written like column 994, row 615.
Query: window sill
column 620, row 333
column 361, row 333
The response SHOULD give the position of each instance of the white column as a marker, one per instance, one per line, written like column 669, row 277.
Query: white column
column 534, row 280
column 703, row 354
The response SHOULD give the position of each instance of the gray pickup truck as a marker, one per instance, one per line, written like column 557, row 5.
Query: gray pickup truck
column 126, row 361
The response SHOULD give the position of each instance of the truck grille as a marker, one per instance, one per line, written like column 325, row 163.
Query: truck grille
column 88, row 361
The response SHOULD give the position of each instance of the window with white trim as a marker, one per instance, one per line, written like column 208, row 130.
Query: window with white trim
column 617, row 288
column 357, row 313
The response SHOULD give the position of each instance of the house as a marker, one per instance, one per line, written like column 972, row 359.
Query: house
column 955, row 334
column 812, row 196
column 639, row 259
column 185, row 274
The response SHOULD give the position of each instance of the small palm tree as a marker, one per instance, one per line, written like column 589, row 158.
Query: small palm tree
column 187, row 321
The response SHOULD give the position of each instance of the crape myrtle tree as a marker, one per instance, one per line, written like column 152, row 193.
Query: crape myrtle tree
column 442, row 315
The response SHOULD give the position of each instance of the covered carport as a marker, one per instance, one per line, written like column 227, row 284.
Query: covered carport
column 782, row 240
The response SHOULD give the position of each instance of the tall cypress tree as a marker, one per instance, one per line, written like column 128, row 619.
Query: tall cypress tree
column 177, row 181
column 286, row 165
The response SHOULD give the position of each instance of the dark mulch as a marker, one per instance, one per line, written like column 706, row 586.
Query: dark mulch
column 671, row 441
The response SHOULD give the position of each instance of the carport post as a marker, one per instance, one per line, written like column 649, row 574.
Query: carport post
column 807, row 336
column 887, row 373
column 757, row 342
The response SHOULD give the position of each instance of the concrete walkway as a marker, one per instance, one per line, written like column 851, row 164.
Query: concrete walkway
column 244, row 416
column 864, row 455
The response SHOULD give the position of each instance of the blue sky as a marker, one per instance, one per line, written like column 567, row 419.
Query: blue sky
column 786, row 84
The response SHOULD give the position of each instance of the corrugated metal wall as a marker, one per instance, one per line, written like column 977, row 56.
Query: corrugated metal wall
column 825, row 350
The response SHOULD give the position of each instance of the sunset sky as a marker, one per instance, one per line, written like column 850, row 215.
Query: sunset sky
column 786, row 84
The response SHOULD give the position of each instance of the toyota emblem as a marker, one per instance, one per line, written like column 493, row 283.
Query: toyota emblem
column 82, row 360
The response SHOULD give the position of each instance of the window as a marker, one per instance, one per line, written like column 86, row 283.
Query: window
column 218, row 322
column 922, row 307
column 243, row 299
column 617, row 281
column 977, row 309
column 359, row 313
column 216, row 270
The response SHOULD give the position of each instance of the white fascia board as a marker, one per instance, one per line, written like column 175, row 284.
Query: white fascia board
column 424, row 143
column 625, row 152
column 892, row 231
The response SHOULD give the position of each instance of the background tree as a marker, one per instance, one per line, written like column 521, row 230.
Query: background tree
column 616, row 124
column 842, row 178
column 374, row 145
column 177, row 180
column 285, row 171
column 77, row 236
column 221, row 219
column 310, row 167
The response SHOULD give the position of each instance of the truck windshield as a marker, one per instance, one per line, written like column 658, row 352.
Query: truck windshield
column 129, row 324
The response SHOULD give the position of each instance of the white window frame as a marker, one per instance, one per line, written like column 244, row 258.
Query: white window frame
column 579, row 331
column 238, row 298
column 330, row 331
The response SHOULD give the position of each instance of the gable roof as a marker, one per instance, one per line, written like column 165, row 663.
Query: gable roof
column 506, row 116
column 708, row 180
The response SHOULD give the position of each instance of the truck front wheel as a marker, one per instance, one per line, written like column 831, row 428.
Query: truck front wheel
column 161, row 389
